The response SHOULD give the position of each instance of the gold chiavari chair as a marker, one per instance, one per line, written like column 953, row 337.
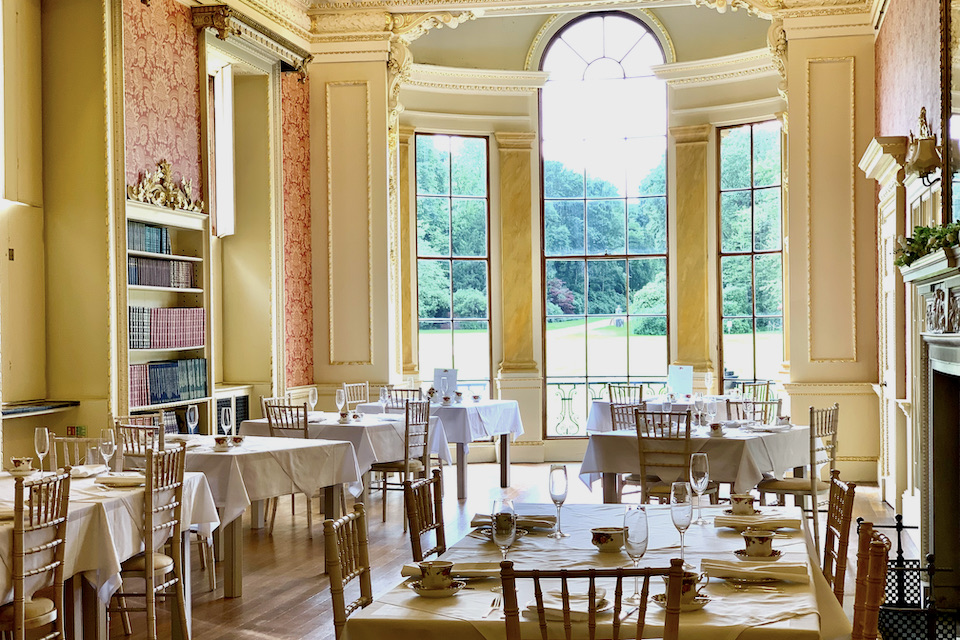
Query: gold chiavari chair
column 356, row 393
column 871, row 581
column 424, row 500
column 665, row 448
column 625, row 393
column 416, row 459
column 839, row 519
column 347, row 559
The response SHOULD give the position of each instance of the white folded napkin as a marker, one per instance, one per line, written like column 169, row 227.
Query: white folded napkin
column 553, row 605
column 756, row 522
column 790, row 571
column 524, row 521
column 735, row 424
column 460, row 570
column 87, row 470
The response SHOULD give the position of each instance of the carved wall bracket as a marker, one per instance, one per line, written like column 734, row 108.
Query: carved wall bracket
column 777, row 43
column 159, row 188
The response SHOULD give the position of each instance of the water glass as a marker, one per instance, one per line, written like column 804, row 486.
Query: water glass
column 313, row 398
column 384, row 399
column 699, row 479
column 711, row 408
column 341, row 400
column 503, row 520
column 635, row 536
column 681, row 508
column 193, row 418
column 698, row 404
column 108, row 446
column 41, row 443
column 557, row 482
column 226, row 420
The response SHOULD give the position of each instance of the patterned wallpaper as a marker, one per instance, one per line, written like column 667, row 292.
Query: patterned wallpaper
column 908, row 66
column 298, row 277
column 161, row 90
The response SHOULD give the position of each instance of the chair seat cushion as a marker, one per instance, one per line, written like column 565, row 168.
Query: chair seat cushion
column 34, row 610
column 397, row 466
column 161, row 563
column 791, row 485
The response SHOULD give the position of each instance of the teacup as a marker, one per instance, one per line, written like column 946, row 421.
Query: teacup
column 356, row 416
column 716, row 429
column 458, row 397
column 344, row 416
column 759, row 543
column 21, row 464
column 742, row 504
column 222, row 442
column 446, row 399
column 236, row 440
column 607, row 539
column 688, row 586
column 476, row 397
column 435, row 574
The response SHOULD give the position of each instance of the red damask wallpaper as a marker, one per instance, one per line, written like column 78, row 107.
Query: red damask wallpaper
column 298, row 276
column 161, row 87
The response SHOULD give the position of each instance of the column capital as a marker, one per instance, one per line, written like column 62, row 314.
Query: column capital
column 404, row 134
column 692, row 133
column 522, row 140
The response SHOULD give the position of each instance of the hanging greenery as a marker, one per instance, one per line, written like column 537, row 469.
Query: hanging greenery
column 925, row 240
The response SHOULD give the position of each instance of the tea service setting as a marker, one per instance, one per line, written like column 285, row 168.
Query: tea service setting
column 225, row 442
column 436, row 580
column 21, row 467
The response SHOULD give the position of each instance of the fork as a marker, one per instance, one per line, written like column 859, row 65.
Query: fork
column 494, row 606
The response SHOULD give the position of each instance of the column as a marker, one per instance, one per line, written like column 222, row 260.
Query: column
column 408, row 258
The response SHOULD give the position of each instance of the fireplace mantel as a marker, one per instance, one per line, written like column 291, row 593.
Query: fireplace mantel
column 935, row 266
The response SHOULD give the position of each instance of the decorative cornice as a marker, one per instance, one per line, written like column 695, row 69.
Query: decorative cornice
column 410, row 26
column 522, row 141
column 474, row 81
column 693, row 134
column 159, row 188
column 777, row 43
column 754, row 63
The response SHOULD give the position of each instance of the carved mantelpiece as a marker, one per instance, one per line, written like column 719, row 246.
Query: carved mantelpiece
column 937, row 280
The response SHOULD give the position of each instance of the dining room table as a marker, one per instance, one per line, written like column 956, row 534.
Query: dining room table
column 600, row 421
column 739, row 600
column 470, row 421
column 265, row 467
column 742, row 455
column 104, row 529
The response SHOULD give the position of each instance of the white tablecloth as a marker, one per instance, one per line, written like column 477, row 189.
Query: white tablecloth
column 375, row 438
column 104, row 528
column 740, row 457
column 795, row 611
column 598, row 420
column 267, row 467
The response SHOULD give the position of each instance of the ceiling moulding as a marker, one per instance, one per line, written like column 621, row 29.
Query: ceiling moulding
column 227, row 22
column 473, row 81
column 489, row 7
column 285, row 14
column 750, row 64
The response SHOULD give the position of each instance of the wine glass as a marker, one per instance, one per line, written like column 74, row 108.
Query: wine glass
column 558, row 493
column 193, row 418
column 341, row 400
column 384, row 399
column 748, row 409
column 699, row 479
column 698, row 403
column 41, row 443
column 666, row 401
column 313, row 398
column 708, row 381
column 503, row 520
column 635, row 543
column 108, row 446
column 226, row 420
column 711, row 408
column 681, row 509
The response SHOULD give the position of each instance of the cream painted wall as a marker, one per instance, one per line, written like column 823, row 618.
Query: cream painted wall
column 22, row 161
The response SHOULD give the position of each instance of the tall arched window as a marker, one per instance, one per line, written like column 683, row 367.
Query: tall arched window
column 603, row 130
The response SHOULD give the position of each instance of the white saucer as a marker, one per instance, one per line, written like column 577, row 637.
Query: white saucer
column 344, row 420
column 729, row 512
column 742, row 555
column 121, row 479
column 698, row 603
column 221, row 449
column 445, row 404
column 21, row 473
column 437, row 593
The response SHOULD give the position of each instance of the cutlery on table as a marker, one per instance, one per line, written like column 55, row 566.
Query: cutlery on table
column 494, row 606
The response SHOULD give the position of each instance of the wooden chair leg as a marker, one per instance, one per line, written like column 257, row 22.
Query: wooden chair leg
column 206, row 549
column 815, row 520
column 383, row 490
column 309, row 517
column 273, row 514
column 124, row 616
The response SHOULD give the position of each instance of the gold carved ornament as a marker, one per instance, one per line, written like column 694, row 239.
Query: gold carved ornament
column 158, row 188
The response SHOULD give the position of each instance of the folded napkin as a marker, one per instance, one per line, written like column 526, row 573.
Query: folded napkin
column 790, row 571
column 770, row 428
column 524, row 521
column 756, row 522
column 88, row 470
column 553, row 605
column 460, row 570
column 736, row 424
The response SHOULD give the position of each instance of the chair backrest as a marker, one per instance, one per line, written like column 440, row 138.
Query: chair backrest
column 871, row 578
column 416, row 434
column 39, row 532
column 424, row 500
column 163, row 505
column 135, row 438
column 287, row 420
column 345, row 544
column 759, row 390
column 275, row 399
column 839, row 519
column 626, row 393
column 71, row 450
column 671, row 621
column 763, row 411
column 622, row 415
column 664, row 446
column 356, row 393
column 823, row 439
column 399, row 397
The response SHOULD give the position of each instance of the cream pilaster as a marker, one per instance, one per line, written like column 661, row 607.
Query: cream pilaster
column 408, row 259
column 690, row 328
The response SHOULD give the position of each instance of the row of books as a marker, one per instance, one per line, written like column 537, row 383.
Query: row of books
column 166, row 328
column 154, row 272
column 147, row 237
column 167, row 381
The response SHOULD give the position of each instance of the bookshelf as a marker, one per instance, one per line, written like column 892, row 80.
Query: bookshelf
column 167, row 312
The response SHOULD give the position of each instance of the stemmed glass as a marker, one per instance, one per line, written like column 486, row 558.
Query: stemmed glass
column 341, row 400
column 699, row 479
column 681, row 509
column 193, row 418
column 666, row 402
column 503, row 520
column 226, row 420
column 698, row 404
column 711, row 408
column 41, row 443
column 635, row 543
column 748, row 409
column 108, row 446
column 313, row 398
column 558, row 493
column 384, row 399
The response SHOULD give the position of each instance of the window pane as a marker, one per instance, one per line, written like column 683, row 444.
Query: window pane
column 766, row 154
column 566, row 346
column 469, row 227
column 620, row 36
column 735, row 279
column 563, row 227
column 767, row 215
column 643, row 56
column 605, row 226
column 564, row 287
column 586, row 38
column 433, row 226
column 469, row 289
column 605, row 161
column 563, row 174
column 607, row 287
column 471, row 350
column 433, row 165
column 735, row 158
column 433, row 284
column 738, row 348
column 647, row 225
column 562, row 62
column 648, row 346
column 735, row 224
column 769, row 347
column 769, row 279
column 469, row 166
column 648, row 289
column 436, row 346
column 606, row 352
column 647, row 169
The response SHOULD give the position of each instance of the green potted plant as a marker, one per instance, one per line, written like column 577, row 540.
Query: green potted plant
column 925, row 240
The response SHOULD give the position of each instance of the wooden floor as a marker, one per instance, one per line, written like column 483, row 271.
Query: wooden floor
column 286, row 594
